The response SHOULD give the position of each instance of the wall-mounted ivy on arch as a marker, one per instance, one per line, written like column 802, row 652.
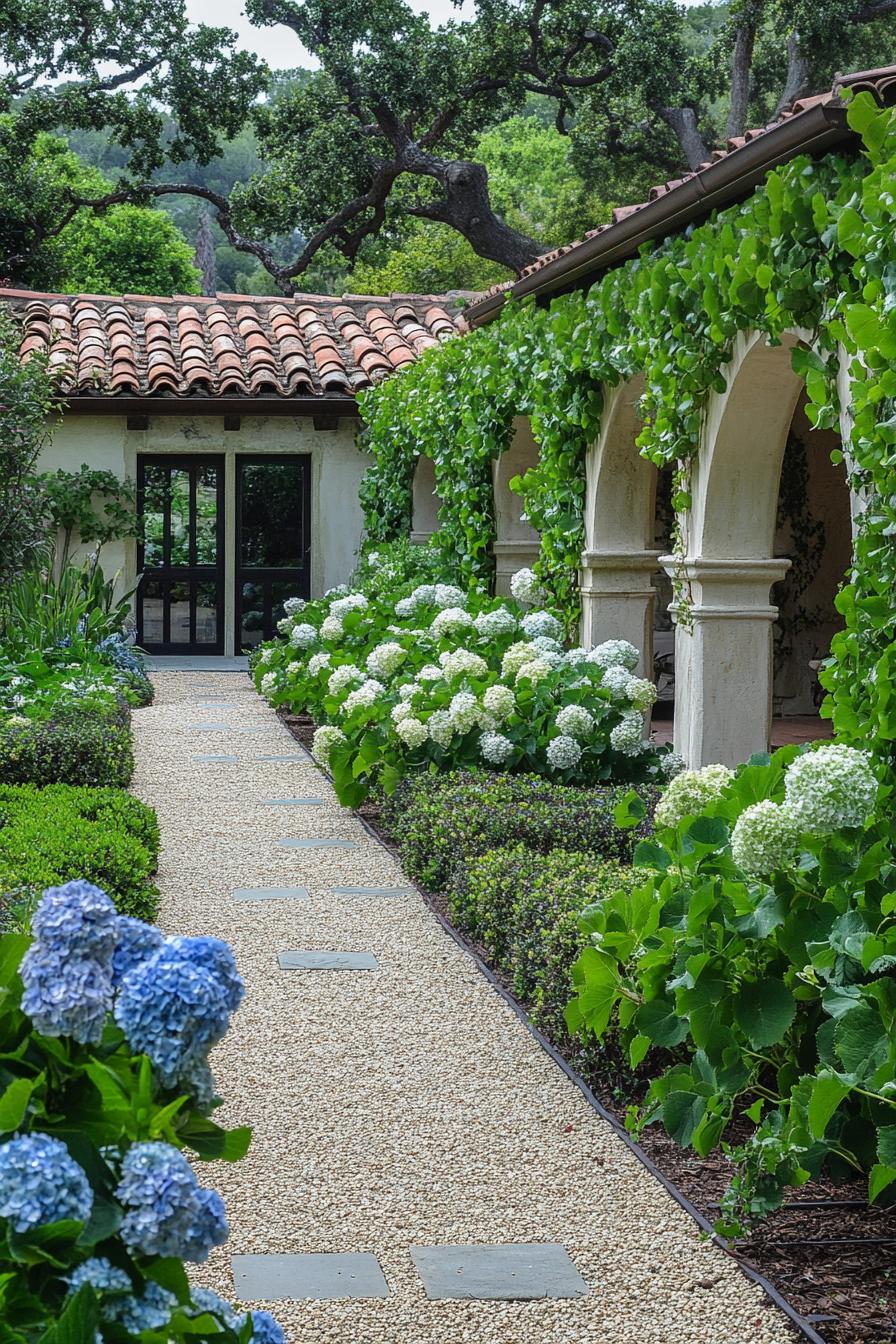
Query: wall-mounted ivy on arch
column 815, row 249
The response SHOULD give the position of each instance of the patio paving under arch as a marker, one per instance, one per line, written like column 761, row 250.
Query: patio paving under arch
column 402, row 1107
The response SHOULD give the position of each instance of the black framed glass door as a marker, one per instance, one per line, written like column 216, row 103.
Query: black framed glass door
column 273, row 541
column 180, row 600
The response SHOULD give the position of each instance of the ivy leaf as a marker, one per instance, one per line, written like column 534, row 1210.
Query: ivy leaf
column 764, row 1010
column 851, row 232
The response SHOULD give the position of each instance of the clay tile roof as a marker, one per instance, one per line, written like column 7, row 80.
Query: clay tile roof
column 811, row 124
column 229, row 345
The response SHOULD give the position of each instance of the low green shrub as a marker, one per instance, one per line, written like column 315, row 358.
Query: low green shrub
column 525, row 910
column 92, row 750
column 439, row 820
column 49, row 836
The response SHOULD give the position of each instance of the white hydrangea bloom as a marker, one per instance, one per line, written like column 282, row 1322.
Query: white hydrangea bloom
column 365, row 695
column 424, row 595
column 373, row 559
column 405, row 607
column 575, row 721
column 339, row 591
column 535, row 670
column 464, row 712
column 574, row 656
column 293, row 605
column 401, row 711
column 267, row 653
column 830, row 787
column 494, row 624
column 324, row 741
column 690, row 792
column 341, row 677
column 541, row 623
column 462, row 663
column 429, row 672
column 285, row 625
column 385, row 659
column 445, row 595
column 764, row 839
column 317, row 662
column 628, row 734
column 518, row 654
column 450, row 621
column 331, row 628
column 269, row 683
column 408, row 690
column 500, row 701
column 303, row 636
column 440, row 728
column 524, row 586
column 294, row 668
column 495, row 748
column 641, row 693
column 563, row 752
column 548, row 651
column 344, row 605
column 616, row 679
column 671, row 764
column 412, row 732
column 615, row 653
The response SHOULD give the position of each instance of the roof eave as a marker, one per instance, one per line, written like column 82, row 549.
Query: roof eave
column 325, row 404
column 732, row 178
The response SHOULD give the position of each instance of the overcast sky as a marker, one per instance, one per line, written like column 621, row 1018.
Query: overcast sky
column 278, row 46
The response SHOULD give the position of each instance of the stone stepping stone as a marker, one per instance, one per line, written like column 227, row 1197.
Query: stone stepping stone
column 274, row 1278
column 293, row 802
column 510, row 1273
column 253, row 730
column 303, row 757
column 213, row 704
column 214, row 758
column 209, row 727
column 371, row 891
column 328, row 961
column 270, row 894
column 317, row 844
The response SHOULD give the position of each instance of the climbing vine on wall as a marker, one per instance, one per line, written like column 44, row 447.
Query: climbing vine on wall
column 812, row 249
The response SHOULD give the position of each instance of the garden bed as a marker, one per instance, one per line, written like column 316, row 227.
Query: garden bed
column 826, row 1251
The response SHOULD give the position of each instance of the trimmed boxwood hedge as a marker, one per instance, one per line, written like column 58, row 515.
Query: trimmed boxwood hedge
column 50, row 835
column 68, row 750
column 438, row 821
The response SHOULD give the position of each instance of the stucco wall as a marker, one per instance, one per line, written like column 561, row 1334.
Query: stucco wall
column 105, row 442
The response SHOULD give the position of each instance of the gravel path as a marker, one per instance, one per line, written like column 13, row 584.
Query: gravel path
column 405, row 1106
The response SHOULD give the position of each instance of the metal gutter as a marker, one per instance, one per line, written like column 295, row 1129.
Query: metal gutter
column 724, row 182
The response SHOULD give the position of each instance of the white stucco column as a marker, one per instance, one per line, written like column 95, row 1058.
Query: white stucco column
column 723, row 658
column 618, row 600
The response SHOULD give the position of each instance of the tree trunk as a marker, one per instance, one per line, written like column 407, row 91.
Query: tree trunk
column 683, row 121
column 204, row 256
column 466, row 207
column 797, row 81
column 741, row 66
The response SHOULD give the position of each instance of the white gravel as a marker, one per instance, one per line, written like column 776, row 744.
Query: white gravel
column 406, row 1106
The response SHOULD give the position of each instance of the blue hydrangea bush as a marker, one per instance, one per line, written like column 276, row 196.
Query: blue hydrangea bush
column 105, row 1084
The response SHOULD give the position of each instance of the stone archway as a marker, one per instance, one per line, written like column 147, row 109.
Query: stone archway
column 516, row 542
column 425, row 501
column 619, row 557
column 723, row 661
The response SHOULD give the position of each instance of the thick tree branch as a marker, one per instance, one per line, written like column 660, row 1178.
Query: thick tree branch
column 796, row 81
column 741, row 66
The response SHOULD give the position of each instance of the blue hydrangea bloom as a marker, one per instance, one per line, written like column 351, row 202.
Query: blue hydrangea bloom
column 204, row 1299
column 40, row 1183
column 101, row 1274
column 214, row 955
column 152, row 1311
column 174, row 1006
column 265, row 1330
column 65, row 996
column 77, row 919
column 135, row 943
column 168, row 1212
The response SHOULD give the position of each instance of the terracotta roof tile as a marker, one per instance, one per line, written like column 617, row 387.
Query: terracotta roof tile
column 230, row 345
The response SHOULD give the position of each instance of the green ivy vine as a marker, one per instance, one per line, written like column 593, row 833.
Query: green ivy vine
column 811, row 249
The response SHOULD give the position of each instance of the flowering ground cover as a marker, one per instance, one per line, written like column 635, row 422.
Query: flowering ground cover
column 438, row 678
column 105, row 1031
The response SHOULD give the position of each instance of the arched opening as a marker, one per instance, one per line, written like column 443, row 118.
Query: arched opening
column 621, row 557
column 757, row 453
column 516, row 540
column 425, row 501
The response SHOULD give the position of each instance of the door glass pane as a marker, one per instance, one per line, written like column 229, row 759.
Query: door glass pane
column 206, row 515
column 153, row 612
column 180, row 517
column 280, row 591
column 180, row 612
column 252, row 624
column 206, row 613
column 155, row 483
column 271, row 509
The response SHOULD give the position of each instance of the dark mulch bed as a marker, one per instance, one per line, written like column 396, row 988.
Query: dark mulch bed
column 846, row 1291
